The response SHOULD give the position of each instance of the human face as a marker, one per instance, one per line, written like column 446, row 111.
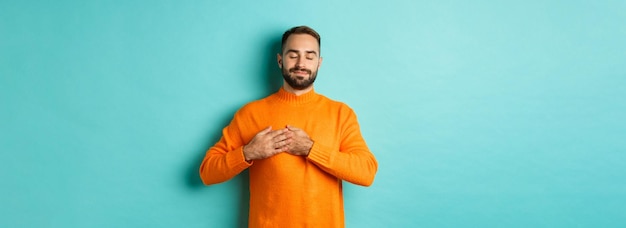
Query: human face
column 300, row 61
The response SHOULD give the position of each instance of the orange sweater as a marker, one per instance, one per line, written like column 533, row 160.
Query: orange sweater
column 288, row 190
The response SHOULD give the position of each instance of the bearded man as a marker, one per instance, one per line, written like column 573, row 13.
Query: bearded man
column 298, row 145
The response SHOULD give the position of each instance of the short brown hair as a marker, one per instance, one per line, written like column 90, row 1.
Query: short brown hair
column 303, row 29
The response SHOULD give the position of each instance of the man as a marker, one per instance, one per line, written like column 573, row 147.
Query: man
column 298, row 145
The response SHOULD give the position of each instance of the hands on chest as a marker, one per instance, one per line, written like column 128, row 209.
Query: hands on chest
column 270, row 142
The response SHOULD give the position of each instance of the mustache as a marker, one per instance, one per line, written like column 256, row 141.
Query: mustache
column 294, row 69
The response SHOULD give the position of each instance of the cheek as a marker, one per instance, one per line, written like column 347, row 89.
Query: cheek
column 288, row 64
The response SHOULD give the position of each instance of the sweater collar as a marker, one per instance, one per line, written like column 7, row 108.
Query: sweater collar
column 291, row 98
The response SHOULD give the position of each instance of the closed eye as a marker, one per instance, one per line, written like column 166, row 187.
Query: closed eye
column 310, row 55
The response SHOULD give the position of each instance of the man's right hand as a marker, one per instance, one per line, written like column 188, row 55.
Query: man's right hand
column 267, row 143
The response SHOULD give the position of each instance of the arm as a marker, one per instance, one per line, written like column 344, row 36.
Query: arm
column 353, row 162
column 225, row 159
column 230, row 156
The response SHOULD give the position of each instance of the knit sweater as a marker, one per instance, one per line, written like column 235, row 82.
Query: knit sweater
column 288, row 190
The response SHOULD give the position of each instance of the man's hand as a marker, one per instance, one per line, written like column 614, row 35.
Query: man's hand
column 300, row 142
column 267, row 143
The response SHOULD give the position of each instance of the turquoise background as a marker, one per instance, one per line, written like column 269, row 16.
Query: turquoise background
column 480, row 113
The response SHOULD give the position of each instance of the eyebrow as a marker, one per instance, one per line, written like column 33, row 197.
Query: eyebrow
column 296, row 51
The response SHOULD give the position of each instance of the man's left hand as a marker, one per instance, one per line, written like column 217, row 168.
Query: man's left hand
column 301, row 143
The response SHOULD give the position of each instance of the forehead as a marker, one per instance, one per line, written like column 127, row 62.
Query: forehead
column 301, row 42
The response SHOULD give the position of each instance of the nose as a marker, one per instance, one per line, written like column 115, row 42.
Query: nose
column 300, row 63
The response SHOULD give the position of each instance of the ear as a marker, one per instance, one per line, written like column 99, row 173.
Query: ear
column 279, row 59
column 320, row 63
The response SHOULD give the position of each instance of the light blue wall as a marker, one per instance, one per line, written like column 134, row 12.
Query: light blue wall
column 481, row 114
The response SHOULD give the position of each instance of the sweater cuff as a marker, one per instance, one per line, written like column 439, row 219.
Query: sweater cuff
column 236, row 159
column 320, row 154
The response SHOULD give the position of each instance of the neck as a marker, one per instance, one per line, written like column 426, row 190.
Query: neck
column 297, row 92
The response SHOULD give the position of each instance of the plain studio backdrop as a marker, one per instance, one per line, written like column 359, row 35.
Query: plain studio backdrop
column 480, row 113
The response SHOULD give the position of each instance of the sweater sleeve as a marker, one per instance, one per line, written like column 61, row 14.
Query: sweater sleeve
column 225, row 159
column 353, row 162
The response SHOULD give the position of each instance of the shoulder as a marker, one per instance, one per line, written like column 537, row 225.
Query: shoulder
column 339, row 106
column 252, row 107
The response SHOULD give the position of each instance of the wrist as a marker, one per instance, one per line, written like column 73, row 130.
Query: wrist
column 245, row 155
column 310, row 147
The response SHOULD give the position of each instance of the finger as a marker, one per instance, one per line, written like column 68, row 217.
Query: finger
column 282, row 143
column 279, row 138
column 265, row 131
column 278, row 145
column 289, row 134
column 284, row 136
column 277, row 133
column 281, row 149
column 296, row 131
column 292, row 128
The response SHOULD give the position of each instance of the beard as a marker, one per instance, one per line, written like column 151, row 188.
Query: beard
column 299, row 82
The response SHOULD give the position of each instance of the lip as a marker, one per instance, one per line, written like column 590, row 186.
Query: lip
column 301, row 72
